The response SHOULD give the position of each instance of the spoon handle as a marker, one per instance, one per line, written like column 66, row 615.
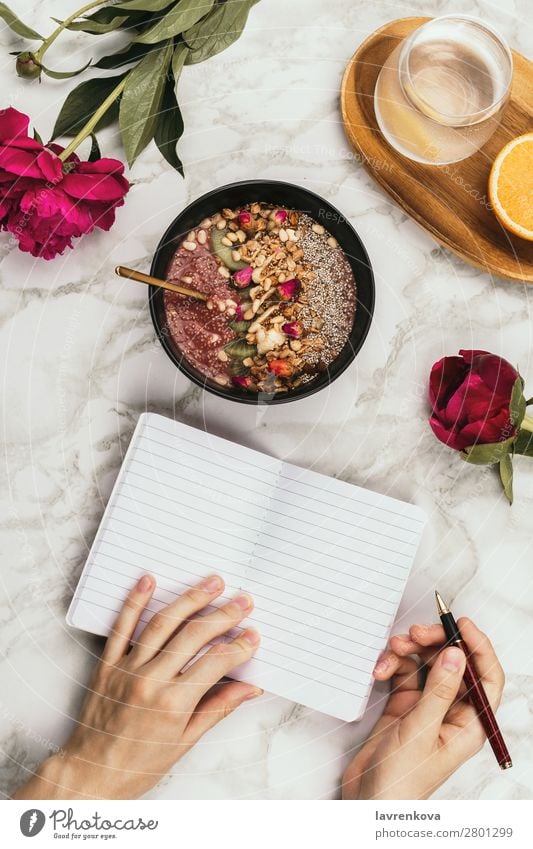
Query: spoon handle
column 131, row 274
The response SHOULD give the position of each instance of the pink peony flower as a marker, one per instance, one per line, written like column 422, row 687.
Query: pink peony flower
column 242, row 381
column 45, row 202
column 243, row 278
column 245, row 219
column 294, row 329
column 289, row 290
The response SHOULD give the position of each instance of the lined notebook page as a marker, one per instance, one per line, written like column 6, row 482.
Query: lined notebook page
column 325, row 561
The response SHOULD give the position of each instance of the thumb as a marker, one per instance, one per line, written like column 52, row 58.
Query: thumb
column 219, row 702
column 440, row 692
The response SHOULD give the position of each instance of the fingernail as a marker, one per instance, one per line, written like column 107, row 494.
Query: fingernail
column 381, row 665
column 253, row 695
column 144, row 584
column 243, row 601
column 212, row 584
column 251, row 637
column 452, row 659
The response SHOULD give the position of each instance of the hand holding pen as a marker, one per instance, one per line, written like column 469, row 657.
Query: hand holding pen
column 428, row 728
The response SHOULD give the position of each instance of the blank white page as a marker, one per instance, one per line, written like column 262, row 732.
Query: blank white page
column 326, row 562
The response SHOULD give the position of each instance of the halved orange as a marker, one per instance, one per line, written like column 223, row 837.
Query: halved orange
column 511, row 186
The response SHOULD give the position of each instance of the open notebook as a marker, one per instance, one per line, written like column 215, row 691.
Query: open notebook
column 326, row 562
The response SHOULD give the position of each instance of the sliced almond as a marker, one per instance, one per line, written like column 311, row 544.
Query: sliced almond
column 222, row 356
column 201, row 237
column 189, row 246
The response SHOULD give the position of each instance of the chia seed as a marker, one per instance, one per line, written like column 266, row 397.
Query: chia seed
column 331, row 296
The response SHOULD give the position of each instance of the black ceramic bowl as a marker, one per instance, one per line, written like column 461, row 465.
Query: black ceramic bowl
column 288, row 196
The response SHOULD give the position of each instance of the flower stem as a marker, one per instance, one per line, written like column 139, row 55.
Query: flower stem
column 92, row 122
column 527, row 423
column 51, row 38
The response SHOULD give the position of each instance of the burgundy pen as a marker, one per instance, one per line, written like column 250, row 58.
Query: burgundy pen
column 474, row 687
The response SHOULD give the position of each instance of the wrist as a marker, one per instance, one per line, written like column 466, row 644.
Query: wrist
column 49, row 781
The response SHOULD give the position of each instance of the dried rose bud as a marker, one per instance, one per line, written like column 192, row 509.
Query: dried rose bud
column 239, row 314
column 243, row 277
column 27, row 66
column 281, row 368
column 289, row 290
column 280, row 216
column 294, row 329
column 242, row 381
column 245, row 219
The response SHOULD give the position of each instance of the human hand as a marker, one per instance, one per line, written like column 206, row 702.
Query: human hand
column 142, row 713
column 424, row 735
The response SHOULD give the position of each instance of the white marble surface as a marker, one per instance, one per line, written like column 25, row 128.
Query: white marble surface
column 79, row 362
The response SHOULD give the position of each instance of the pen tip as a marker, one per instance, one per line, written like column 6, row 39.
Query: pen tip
column 441, row 606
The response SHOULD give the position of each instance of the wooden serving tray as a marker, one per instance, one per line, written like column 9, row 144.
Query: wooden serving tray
column 449, row 201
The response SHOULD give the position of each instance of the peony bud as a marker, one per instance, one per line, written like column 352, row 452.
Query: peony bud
column 27, row 66
column 294, row 329
column 281, row 368
column 280, row 216
column 289, row 290
column 243, row 277
column 245, row 220
column 242, row 381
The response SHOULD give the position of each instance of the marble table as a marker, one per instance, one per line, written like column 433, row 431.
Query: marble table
column 80, row 362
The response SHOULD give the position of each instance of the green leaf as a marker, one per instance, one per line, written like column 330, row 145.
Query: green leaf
column 218, row 31
column 16, row 24
column 95, row 149
column 517, row 406
column 486, row 455
column 182, row 16
column 63, row 75
column 143, row 5
column 506, row 476
column 178, row 59
column 82, row 103
column 36, row 136
column 238, row 349
column 97, row 27
column 529, row 402
column 523, row 443
column 131, row 53
column 141, row 100
column 169, row 127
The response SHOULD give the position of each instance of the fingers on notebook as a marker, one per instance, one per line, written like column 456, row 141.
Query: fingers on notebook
column 200, row 631
column 386, row 666
column 127, row 620
column 220, row 660
column 165, row 623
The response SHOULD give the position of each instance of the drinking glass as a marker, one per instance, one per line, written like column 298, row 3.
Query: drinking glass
column 441, row 93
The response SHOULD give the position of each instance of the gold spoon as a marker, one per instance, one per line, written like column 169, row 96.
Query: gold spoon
column 131, row 274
